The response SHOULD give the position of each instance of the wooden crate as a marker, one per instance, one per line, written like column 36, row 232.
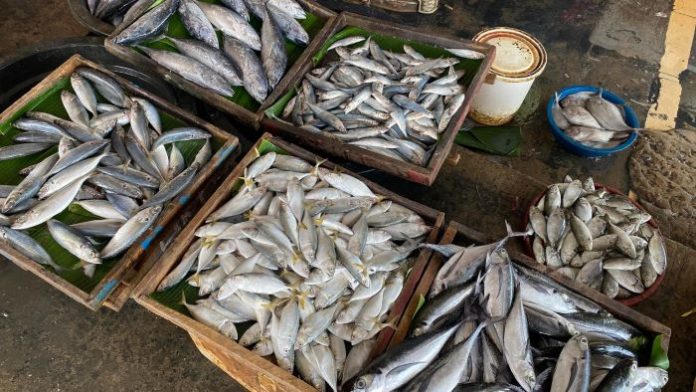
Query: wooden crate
column 461, row 234
column 249, row 114
column 227, row 146
column 420, row 6
column 423, row 175
column 254, row 372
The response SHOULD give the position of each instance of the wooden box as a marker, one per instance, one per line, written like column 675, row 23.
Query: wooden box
column 420, row 6
column 254, row 372
column 462, row 235
column 92, row 292
column 390, row 36
column 241, row 107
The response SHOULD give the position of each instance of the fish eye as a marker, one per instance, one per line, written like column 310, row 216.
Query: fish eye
column 360, row 383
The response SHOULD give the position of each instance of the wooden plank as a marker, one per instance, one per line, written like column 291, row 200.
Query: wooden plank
column 461, row 234
column 247, row 117
column 95, row 298
column 254, row 372
column 326, row 143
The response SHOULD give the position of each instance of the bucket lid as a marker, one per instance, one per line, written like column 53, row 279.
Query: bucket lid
column 517, row 54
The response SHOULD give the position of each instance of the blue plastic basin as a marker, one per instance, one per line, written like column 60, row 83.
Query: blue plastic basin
column 578, row 148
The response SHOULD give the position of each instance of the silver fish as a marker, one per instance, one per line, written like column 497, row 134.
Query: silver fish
column 27, row 246
column 254, row 77
column 49, row 207
column 191, row 70
column 131, row 231
column 212, row 57
column 21, row 150
column 74, row 242
column 149, row 25
column 231, row 24
column 197, row 24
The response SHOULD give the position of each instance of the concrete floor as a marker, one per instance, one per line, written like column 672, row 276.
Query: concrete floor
column 49, row 343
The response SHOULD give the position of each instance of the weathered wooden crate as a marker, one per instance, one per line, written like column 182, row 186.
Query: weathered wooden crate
column 420, row 6
column 242, row 107
column 93, row 292
column 460, row 234
column 390, row 36
column 254, row 372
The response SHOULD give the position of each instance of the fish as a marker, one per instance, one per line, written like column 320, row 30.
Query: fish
column 607, row 114
column 58, row 179
column 99, row 228
column 395, row 368
column 435, row 310
column 22, row 150
column 180, row 134
column 105, row 85
column 516, row 347
column 254, row 77
column 211, row 57
column 131, row 231
column 69, row 175
column 273, row 56
column 30, row 185
column 191, row 70
column 84, row 92
column 49, row 207
column 231, row 24
column 136, row 10
column 197, row 23
column 607, row 233
column 620, row 377
column 27, row 246
column 298, row 254
column 74, row 108
column 149, row 25
column 77, row 154
column 290, row 27
column 591, row 120
column 572, row 372
column 73, row 241
column 376, row 113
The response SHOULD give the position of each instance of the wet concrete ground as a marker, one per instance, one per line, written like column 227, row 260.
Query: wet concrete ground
column 49, row 343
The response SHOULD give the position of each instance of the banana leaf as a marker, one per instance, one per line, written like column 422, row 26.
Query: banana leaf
column 50, row 102
column 506, row 140
column 658, row 356
column 175, row 28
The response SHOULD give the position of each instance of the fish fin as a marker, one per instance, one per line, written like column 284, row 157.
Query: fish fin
column 315, row 171
column 183, row 299
column 195, row 278
column 403, row 368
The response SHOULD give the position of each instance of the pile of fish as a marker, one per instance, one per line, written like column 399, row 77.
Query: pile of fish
column 395, row 104
column 218, row 64
column 489, row 325
column 306, row 260
column 598, row 238
column 123, row 176
column 591, row 120
column 117, row 12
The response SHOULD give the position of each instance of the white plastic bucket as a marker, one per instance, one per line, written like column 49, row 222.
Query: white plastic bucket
column 519, row 60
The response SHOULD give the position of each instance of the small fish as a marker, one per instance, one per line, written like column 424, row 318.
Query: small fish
column 131, row 231
column 149, row 25
column 73, row 241
column 21, row 150
column 197, row 24
column 191, row 70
